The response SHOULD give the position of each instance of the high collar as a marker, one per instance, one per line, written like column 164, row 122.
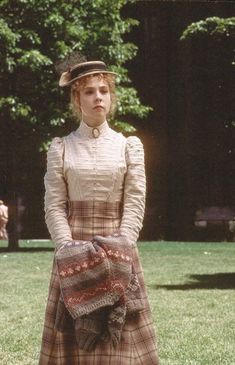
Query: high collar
column 93, row 132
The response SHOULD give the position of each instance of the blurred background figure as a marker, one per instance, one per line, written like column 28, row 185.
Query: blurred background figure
column 3, row 221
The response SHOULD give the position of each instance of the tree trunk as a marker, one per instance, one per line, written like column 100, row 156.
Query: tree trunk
column 13, row 239
column 12, row 171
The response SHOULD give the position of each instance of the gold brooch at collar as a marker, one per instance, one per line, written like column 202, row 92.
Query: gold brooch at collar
column 95, row 132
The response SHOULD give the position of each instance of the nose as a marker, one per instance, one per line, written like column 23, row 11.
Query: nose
column 98, row 96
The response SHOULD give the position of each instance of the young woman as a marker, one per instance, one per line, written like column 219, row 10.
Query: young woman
column 95, row 198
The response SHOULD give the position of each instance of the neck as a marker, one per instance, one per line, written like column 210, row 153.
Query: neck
column 93, row 123
column 86, row 130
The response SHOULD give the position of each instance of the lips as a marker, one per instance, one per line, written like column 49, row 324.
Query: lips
column 98, row 107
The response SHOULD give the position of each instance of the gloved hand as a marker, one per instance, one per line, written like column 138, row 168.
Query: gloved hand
column 116, row 239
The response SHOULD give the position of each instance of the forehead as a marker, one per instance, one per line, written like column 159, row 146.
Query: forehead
column 95, row 81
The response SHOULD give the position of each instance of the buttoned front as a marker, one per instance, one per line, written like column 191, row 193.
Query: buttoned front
column 94, row 168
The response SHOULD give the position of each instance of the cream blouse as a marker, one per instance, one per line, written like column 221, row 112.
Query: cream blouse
column 107, row 168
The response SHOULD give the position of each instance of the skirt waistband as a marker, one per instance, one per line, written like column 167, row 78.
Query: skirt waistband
column 94, row 208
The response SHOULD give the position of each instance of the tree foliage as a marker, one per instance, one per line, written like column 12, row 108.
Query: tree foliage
column 34, row 34
column 215, row 27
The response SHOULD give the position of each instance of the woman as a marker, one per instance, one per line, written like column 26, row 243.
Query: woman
column 95, row 195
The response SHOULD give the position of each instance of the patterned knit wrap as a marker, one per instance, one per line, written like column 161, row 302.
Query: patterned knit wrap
column 93, row 274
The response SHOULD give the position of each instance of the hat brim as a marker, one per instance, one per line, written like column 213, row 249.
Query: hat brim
column 65, row 78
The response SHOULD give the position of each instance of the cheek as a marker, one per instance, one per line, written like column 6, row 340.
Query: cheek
column 78, row 101
column 82, row 102
column 109, row 100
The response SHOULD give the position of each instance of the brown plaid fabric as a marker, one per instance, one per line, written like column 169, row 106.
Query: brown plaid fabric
column 137, row 345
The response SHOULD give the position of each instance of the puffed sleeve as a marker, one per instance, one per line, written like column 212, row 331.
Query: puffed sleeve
column 56, row 195
column 134, row 189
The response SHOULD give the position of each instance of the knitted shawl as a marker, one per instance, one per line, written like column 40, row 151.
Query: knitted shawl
column 98, row 288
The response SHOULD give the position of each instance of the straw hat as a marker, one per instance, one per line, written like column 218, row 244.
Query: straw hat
column 80, row 70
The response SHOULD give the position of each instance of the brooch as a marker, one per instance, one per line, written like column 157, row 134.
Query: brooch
column 95, row 132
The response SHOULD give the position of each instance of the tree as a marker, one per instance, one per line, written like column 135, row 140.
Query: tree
column 34, row 34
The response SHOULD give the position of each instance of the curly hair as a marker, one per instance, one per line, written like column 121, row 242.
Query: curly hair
column 78, row 85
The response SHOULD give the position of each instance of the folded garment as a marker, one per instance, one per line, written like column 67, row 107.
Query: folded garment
column 98, row 288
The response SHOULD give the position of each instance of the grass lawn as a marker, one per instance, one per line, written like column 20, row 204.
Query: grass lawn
column 191, row 291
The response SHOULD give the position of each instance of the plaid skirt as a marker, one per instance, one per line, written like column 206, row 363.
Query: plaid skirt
column 138, row 345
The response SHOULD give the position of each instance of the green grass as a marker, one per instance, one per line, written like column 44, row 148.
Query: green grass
column 191, row 291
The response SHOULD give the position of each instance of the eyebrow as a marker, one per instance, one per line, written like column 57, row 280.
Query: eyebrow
column 93, row 87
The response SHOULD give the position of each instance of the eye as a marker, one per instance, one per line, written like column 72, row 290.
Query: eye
column 104, row 90
column 88, row 92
